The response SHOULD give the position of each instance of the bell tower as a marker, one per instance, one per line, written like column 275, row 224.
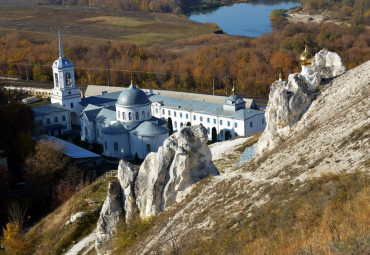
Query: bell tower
column 65, row 91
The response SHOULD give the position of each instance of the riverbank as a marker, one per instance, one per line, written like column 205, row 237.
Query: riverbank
column 298, row 14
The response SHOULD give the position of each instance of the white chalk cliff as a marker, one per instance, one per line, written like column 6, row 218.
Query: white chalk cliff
column 184, row 159
column 289, row 100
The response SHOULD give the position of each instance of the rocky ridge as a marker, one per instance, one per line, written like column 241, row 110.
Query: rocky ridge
column 289, row 100
column 161, row 181
column 332, row 136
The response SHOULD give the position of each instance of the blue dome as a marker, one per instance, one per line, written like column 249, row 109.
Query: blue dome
column 234, row 99
column 62, row 62
column 132, row 96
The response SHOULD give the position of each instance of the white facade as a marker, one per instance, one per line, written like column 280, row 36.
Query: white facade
column 51, row 119
column 127, row 126
column 230, row 117
column 65, row 91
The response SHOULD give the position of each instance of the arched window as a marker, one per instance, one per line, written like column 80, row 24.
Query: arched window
column 143, row 114
column 208, row 130
column 68, row 80
column 56, row 80
column 136, row 115
column 123, row 115
column 118, row 114
column 181, row 124
column 228, row 123
column 174, row 113
column 251, row 124
column 130, row 115
column 71, row 105
column 175, row 124
column 208, row 120
column 236, row 124
column 148, row 147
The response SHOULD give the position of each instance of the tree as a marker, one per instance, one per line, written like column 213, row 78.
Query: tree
column 16, row 125
column 214, row 135
column 188, row 124
column 12, row 240
column 169, row 125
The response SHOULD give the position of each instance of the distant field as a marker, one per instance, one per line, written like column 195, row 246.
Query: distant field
column 93, row 25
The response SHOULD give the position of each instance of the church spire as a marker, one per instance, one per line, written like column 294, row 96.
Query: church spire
column 61, row 52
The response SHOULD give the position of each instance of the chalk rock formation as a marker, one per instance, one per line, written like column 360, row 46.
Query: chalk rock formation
column 288, row 101
column 76, row 216
column 328, row 64
column 183, row 159
column 126, row 176
column 111, row 213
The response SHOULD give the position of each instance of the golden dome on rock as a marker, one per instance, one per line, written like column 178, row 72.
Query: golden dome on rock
column 306, row 57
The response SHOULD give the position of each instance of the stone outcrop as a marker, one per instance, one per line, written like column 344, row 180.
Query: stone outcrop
column 111, row 213
column 183, row 159
column 328, row 64
column 126, row 175
column 289, row 100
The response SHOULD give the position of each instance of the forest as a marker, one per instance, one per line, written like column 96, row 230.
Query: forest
column 357, row 9
column 249, row 64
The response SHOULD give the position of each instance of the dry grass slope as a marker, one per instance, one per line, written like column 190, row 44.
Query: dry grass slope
column 52, row 236
column 307, row 196
column 94, row 25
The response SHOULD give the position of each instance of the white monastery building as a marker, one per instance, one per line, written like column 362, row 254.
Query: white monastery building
column 131, row 122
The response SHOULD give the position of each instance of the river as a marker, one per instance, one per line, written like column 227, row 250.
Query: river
column 249, row 19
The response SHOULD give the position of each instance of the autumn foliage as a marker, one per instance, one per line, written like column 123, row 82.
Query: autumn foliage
column 13, row 241
column 249, row 64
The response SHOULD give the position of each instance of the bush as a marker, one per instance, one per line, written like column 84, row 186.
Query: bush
column 128, row 233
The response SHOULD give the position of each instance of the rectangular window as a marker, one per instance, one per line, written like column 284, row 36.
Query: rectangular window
column 123, row 115
column 208, row 120
column 263, row 120
column 221, row 122
column 180, row 114
column 156, row 110
column 115, row 146
column 201, row 118
column 236, row 124
column 251, row 124
column 194, row 117
column 148, row 147
column 163, row 111
column 56, row 119
column 214, row 121
column 169, row 113
column 174, row 113
column 63, row 118
column 47, row 121
column 187, row 116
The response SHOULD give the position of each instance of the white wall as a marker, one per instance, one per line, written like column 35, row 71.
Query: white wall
column 41, row 122
column 241, row 129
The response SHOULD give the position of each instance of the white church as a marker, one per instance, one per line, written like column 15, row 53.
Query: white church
column 131, row 122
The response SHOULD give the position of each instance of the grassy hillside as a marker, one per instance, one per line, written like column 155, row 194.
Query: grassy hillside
column 92, row 25
column 52, row 236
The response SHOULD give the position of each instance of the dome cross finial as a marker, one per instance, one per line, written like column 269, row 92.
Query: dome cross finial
column 61, row 51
